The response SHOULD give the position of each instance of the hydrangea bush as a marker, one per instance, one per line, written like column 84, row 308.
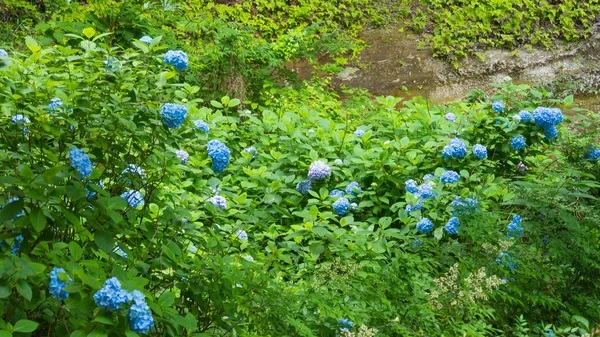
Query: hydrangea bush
column 106, row 232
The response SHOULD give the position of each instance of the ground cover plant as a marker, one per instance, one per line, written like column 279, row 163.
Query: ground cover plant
column 133, row 203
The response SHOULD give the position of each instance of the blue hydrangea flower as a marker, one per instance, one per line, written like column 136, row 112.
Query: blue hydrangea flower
column 593, row 153
column 111, row 296
column 498, row 106
column 319, row 170
column 450, row 177
column 479, row 151
column 136, row 296
column 450, row 117
column 513, row 229
column 183, row 155
column 517, row 143
column 506, row 261
column 424, row 225
column 140, row 318
column 55, row 104
column 341, row 206
column 344, row 323
column 81, row 162
column 525, row 116
column 146, row 39
column 550, row 333
column 456, row 149
column 556, row 116
column 219, row 154
column 3, row 52
column 21, row 120
column 134, row 169
column 417, row 207
column 192, row 249
column 336, row 193
column 464, row 207
column 57, row 286
column 427, row 177
column 411, row 186
column 359, row 133
column 516, row 118
column 550, row 132
column 16, row 245
column 134, row 198
column 241, row 234
column 452, row 226
column 200, row 124
column 425, row 191
column 544, row 117
column 353, row 188
column 120, row 252
column 218, row 201
column 338, row 162
column 113, row 64
column 304, row 186
column 252, row 150
column 177, row 59
column 354, row 206
column 173, row 115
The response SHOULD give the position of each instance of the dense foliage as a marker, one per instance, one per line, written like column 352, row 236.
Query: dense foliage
column 134, row 203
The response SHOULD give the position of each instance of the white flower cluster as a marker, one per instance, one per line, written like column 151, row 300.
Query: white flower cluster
column 363, row 331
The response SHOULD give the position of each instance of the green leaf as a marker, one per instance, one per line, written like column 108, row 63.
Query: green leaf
column 77, row 333
column 233, row 103
column 385, row 222
column 5, row 289
column 4, row 333
column 438, row 233
column 166, row 299
column 104, row 320
column 568, row 100
column 317, row 249
column 216, row 104
column 89, row 32
column 582, row 320
column 104, row 241
column 38, row 219
column 25, row 325
column 24, row 289
column 11, row 210
column 97, row 334
column 75, row 250
column 32, row 44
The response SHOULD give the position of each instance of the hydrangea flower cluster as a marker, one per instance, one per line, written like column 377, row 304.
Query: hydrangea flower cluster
column 252, row 150
column 20, row 120
column 218, row 201
column 456, row 149
column 424, row 225
column 177, row 59
column 479, row 151
column 336, row 193
column 338, row 162
column 55, row 104
column 219, row 154
column 3, row 52
column 140, row 317
column 498, row 106
column 517, row 143
column 319, row 170
column 200, row 124
column 241, row 234
column 304, row 186
column 450, row 177
column 173, row 115
column 183, row 155
column 548, row 118
column 113, row 64
column 353, row 188
column 513, row 229
column 593, row 153
column 120, row 252
column 452, row 226
column 57, row 286
column 425, row 192
column 111, row 296
column 146, row 39
column 427, row 177
column 81, row 162
column 411, row 186
column 134, row 169
column 341, row 206
column 345, row 324
column 359, row 133
column 450, row 117
column 133, row 197
column 417, row 207
column 16, row 244
column 464, row 206
column 525, row 116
